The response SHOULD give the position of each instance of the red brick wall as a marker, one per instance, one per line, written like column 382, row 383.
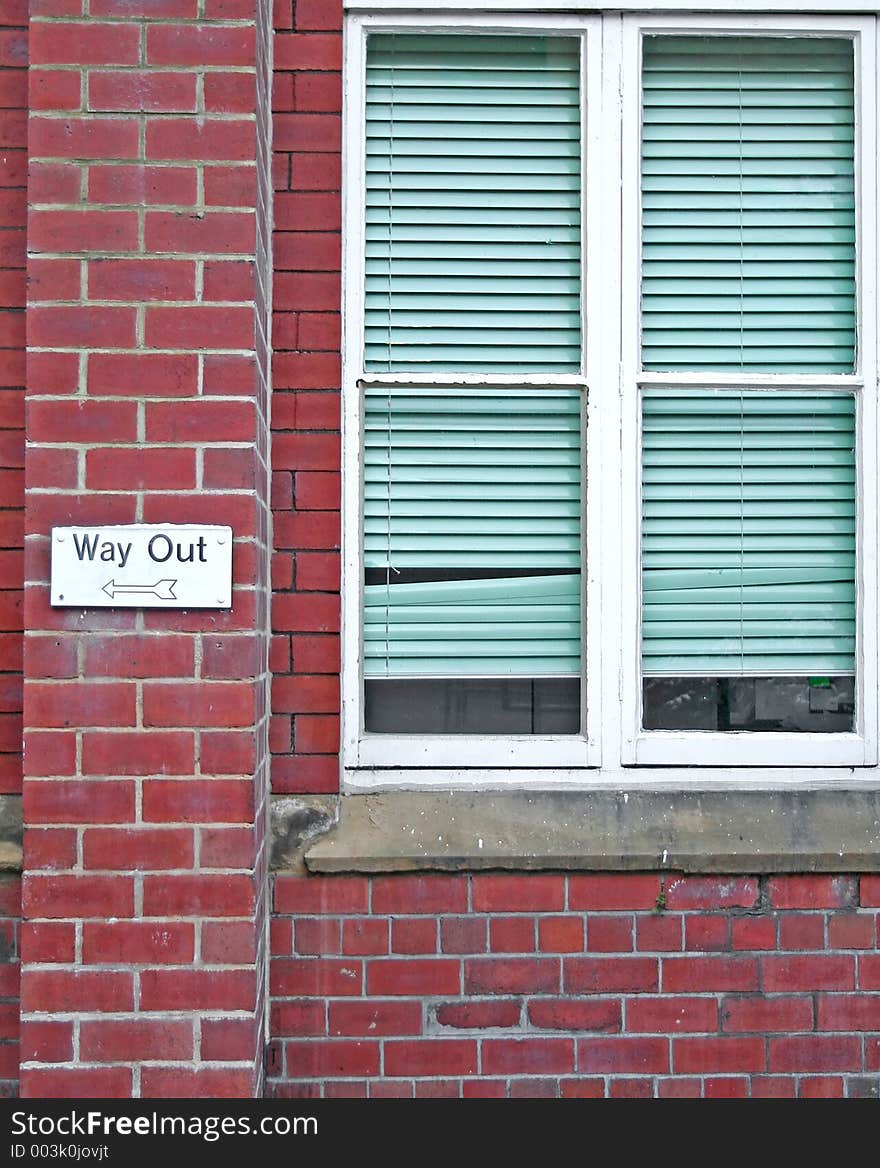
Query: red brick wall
column 305, row 406
column 13, row 209
column 613, row 985
column 10, row 911
column 146, row 732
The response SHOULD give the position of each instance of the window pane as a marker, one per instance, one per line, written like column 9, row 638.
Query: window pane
column 748, row 204
column 473, row 258
column 472, row 535
column 748, row 534
column 818, row 705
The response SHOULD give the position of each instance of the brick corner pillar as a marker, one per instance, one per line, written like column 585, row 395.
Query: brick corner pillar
column 145, row 788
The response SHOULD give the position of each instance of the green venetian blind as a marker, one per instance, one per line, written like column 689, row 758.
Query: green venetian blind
column 748, row 204
column 472, row 203
column 748, row 536
column 472, row 527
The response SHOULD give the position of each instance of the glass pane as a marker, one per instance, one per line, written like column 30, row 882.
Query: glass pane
column 748, row 204
column 817, row 705
column 748, row 548
column 472, row 548
column 473, row 221
column 474, row 706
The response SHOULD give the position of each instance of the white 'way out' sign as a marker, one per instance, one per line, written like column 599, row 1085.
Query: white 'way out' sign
column 142, row 565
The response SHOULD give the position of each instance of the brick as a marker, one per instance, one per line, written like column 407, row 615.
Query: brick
column 317, row 92
column 47, row 941
column 512, row 975
column 152, row 92
column 229, row 93
column 728, row 1087
column 226, row 847
column 53, row 89
column 334, row 1058
column 78, row 1083
column 85, row 43
column 77, row 896
column 463, row 934
column 78, row 801
column 229, row 280
column 228, row 1038
column 209, row 703
column 414, row 935
column 374, row 1018
column 413, row 976
column 135, row 1041
column 136, row 184
column 706, row 933
column 198, row 801
column 49, row 849
column 753, row 933
column 83, row 138
column 536, row 1056
column 229, row 942
column 317, row 936
column 430, row 895
column 573, row 1014
column 46, row 280
column 323, row 894
column 198, row 895
column 659, row 932
column 316, row 977
column 299, row 1019
column 623, row 1055
column 813, row 891
column 610, row 974
column 711, row 892
column 130, row 849
column 518, row 893
column 138, row 942
column 609, row 934
column 86, row 326
column 582, row 1088
column 773, row 1087
column 561, row 934
column 82, row 421
column 613, row 892
column 144, row 374
column 512, row 935
column 202, row 139
column 822, row 1087
column 197, row 989
column 230, row 186
column 187, row 44
column 869, row 892
column 434, row 1056
column 209, row 232
column 816, row 1053
column 47, row 1042
column 816, row 972
column 478, row 1015
column 138, row 752
column 852, row 931
column 57, row 991
column 847, row 1012
column 699, row 1056
column 211, row 1083
column 802, row 931
column 308, row 51
column 763, row 1015
column 141, row 280
column 631, row 1089
column 672, row 1015
column 707, row 974
column 109, row 468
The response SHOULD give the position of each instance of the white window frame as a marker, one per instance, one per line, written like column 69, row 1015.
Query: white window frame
column 612, row 751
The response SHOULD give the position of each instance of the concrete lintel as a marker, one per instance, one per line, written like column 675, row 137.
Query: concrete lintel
column 690, row 831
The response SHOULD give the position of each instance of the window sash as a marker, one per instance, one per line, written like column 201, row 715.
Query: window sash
column 611, row 571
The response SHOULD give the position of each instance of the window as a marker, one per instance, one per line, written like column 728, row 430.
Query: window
column 610, row 382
